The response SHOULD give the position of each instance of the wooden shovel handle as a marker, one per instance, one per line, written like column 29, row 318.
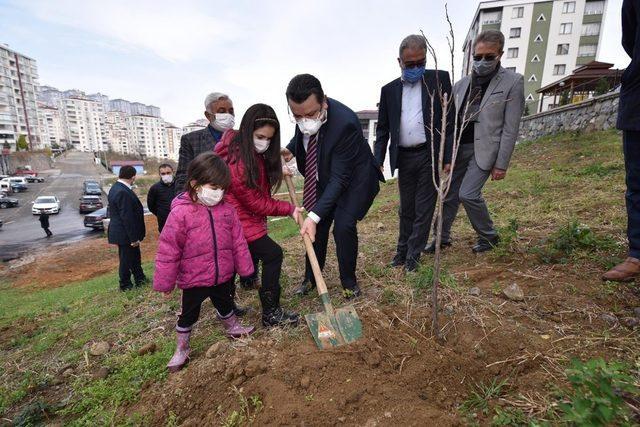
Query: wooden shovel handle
column 315, row 266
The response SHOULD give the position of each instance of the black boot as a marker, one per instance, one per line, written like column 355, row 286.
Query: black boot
column 237, row 310
column 272, row 313
column 485, row 244
column 305, row 287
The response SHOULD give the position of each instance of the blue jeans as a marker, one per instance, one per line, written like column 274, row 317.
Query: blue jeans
column 631, row 147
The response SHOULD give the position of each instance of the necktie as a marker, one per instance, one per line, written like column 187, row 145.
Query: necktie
column 309, row 196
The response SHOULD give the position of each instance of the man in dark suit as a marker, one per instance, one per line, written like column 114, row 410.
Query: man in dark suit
column 404, row 112
column 341, row 177
column 629, row 123
column 219, row 111
column 126, row 228
column 161, row 194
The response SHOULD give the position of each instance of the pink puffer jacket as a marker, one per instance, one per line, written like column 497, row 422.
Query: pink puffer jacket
column 193, row 254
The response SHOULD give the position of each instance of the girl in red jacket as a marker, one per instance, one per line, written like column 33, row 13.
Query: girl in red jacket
column 253, row 156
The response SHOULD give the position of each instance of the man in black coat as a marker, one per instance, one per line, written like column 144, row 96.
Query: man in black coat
column 404, row 111
column 126, row 228
column 161, row 194
column 44, row 223
column 341, row 177
column 629, row 123
column 219, row 111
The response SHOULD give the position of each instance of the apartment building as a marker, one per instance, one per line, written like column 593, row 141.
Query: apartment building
column 117, row 132
column 18, row 89
column 51, row 128
column 545, row 40
column 172, row 135
column 194, row 126
column 146, row 136
column 83, row 120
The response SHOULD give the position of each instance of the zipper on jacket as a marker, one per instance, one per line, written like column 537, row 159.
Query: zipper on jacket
column 215, row 245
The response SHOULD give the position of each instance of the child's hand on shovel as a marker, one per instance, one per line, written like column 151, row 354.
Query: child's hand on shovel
column 297, row 214
column 309, row 228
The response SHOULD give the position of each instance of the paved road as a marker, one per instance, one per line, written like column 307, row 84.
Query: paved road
column 21, row 231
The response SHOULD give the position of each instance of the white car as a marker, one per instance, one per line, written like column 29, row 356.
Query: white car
column 46, row 204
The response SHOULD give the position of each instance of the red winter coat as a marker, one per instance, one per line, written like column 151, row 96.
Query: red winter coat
column 192, row 253
column 252, row 204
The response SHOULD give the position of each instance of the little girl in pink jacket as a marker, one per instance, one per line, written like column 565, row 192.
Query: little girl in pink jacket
column 201, row 248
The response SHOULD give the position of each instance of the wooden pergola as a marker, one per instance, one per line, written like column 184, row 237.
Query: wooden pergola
column 583, row 81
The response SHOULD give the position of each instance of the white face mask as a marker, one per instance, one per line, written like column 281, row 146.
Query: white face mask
column 312, row 126
column 223, row 121
column 261, row 145
column 209, row 196
column 167, row 179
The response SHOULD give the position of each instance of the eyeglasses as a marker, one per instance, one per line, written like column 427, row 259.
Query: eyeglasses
column 486, row 57
column 294, row 119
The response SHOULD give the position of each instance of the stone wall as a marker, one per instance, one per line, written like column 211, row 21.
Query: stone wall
column 598, row 113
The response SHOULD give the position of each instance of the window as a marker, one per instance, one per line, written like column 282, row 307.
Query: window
column 541, row 17
column 592, row 29
column 518, row 12
column 533, row 78
column 559, row 69
column 512, row 52
column 594, row 7
column 492, row 17
column 514, row 33
column 511, row 69
column 538, row 39
column 566, row 28
column 587, row 50
column 563, row 49
column 569, row 7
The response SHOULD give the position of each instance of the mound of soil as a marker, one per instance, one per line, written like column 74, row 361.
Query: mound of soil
column 394, row 375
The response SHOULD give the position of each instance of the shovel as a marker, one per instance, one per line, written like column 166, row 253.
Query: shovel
column 333, row 327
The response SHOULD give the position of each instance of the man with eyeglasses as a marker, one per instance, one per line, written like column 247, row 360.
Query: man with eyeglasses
column 340, row 176
column 161, row 195
column 489, row 104
column 403, row 117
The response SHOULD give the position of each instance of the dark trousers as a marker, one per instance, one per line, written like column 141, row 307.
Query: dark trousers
column 192, row 299
column 46, row 230
column 345, row 234
column 162, row 219
column 269, row 253
column 417, row 200
column 631, row 147
column 130, row 264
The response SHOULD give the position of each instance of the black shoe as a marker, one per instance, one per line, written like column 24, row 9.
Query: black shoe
column 485, row 245
column 398, row 260
column 431, row 249
column 411, row 265
column 126, row 288
column 305, row 287
column 351, row 293
column 272, row 313
column 142, row 282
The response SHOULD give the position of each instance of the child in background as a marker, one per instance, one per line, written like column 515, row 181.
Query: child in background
column 201, row 248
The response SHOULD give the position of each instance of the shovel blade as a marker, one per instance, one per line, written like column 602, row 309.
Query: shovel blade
column 333, row 331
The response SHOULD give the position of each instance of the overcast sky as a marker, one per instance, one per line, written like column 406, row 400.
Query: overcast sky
column 172, row 53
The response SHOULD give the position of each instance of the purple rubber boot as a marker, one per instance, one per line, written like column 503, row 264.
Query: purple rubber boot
column 234, row 328
column 181, row 356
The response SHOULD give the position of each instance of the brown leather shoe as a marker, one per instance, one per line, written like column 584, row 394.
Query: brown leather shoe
column 625, row 272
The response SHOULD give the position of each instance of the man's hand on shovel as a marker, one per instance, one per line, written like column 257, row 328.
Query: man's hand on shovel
column 309, row 228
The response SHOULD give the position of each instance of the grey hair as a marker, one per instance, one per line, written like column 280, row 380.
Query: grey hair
column 413, row 41
column 490, row 37
column 214, row 97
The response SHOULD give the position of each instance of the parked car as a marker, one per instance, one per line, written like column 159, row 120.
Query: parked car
column 33, row 178
column 90, row 204
column 8, row 202
column 46, row 204
column 96, row 219
column 1, row 223
column 10, row 185
column 25, row 170
column 92, row 188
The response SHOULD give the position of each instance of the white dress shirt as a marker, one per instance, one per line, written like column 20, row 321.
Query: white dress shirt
column 125, row 183
column 412, row 130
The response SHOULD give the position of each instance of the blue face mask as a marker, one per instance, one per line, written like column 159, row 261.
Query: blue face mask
column 413, row 74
